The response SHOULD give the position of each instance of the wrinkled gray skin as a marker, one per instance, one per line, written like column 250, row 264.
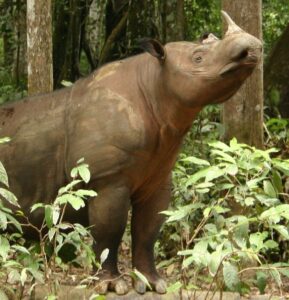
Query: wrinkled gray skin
column 127, row 120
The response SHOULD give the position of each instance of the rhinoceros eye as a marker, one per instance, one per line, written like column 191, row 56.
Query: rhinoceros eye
column 197, row 57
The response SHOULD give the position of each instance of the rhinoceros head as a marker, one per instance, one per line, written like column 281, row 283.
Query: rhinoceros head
column 210, row 71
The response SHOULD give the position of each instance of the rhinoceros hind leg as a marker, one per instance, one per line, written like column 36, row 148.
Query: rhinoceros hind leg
column 146, row 223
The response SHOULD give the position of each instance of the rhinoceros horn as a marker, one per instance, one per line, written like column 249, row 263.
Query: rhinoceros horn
column 232, row 26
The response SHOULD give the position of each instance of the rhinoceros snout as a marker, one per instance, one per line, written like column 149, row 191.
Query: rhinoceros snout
column 247, row 48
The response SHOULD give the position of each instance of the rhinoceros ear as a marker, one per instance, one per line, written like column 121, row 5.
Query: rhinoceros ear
column 153, row 47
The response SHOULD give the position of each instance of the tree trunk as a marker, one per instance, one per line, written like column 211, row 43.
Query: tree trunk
column 39, row 46
column 243, row 114
column 9, row 37
column 277, row 72
column 60, row 38
column 140, row 24
column 20, row 61
column 68, row 65
column 173, row 20
column 95, row 31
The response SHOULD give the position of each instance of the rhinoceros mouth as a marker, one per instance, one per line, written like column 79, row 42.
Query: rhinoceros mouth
column 235, row 66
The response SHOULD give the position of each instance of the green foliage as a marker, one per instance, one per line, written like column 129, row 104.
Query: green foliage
column 21, row 264
column 275, row 19
column 277, row 133
column 202, row 16
column 8, row 89
column 236, row 202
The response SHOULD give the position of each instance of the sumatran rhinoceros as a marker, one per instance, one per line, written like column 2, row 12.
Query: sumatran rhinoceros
column 128, row 120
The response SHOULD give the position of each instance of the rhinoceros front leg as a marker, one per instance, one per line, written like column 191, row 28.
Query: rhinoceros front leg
column 146, row 223
column 108, row 216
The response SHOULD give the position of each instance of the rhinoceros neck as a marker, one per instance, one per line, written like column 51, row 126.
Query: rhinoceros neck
column 166, row 109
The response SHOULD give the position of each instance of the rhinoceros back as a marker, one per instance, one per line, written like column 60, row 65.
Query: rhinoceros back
column 34, row 156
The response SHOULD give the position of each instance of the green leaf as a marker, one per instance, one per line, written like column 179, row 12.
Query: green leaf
column 76, row 202
column 4, row 247
column 174, row 287
column 84, row 173
column 65, row 83
column 277, row 181
column 4, row 140
column 257, row 240
column 241, row 231
column 221, row 146
column 7, row 195
column 85, row 193
column 64, row 226
column 140, row 276
column 14, row 222
column 55, row 214
column 36, row 206
column 270, row 244
column 261, row 282
column 48, row 215
column 68, row 187
column 197, row 176
column 21, row 249
column 80, row 161
column 207, row 211
column 276, row 276
column 269, row 189
column 253, row 183
column 231, row 277
column 97, row 297
column 231, row 169
column 196, row 161
column 249, row 201
column 282, row 165
column 204, row 185
column 38, row 275
column 188, row 261
column 3, row 295
column 14, row 276
column 51, row 233
column 223, row 156
column 186, row 252
column 104, row 255
column 181, row 212
column 3, row 175
column 3, row 220
column 214, row 173
column 215, row 261
column 283, row 231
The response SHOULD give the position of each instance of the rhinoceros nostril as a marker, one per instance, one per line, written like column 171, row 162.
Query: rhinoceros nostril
column 243, row 54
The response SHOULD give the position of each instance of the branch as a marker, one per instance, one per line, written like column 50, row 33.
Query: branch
column 110, row 40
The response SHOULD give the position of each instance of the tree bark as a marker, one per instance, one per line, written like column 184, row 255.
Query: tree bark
column 39, row 46
column 243, row 114
column 140, row 24
column 20, row 61
column 61, row 27
column 173, row 20
column 68, row 65
column 95, row 31
column 9, row 36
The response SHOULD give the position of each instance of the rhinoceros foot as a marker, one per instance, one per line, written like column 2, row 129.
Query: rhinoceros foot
column 158, row 285
column 112, row 283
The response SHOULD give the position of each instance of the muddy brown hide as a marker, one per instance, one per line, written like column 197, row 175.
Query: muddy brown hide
column 127, row 120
